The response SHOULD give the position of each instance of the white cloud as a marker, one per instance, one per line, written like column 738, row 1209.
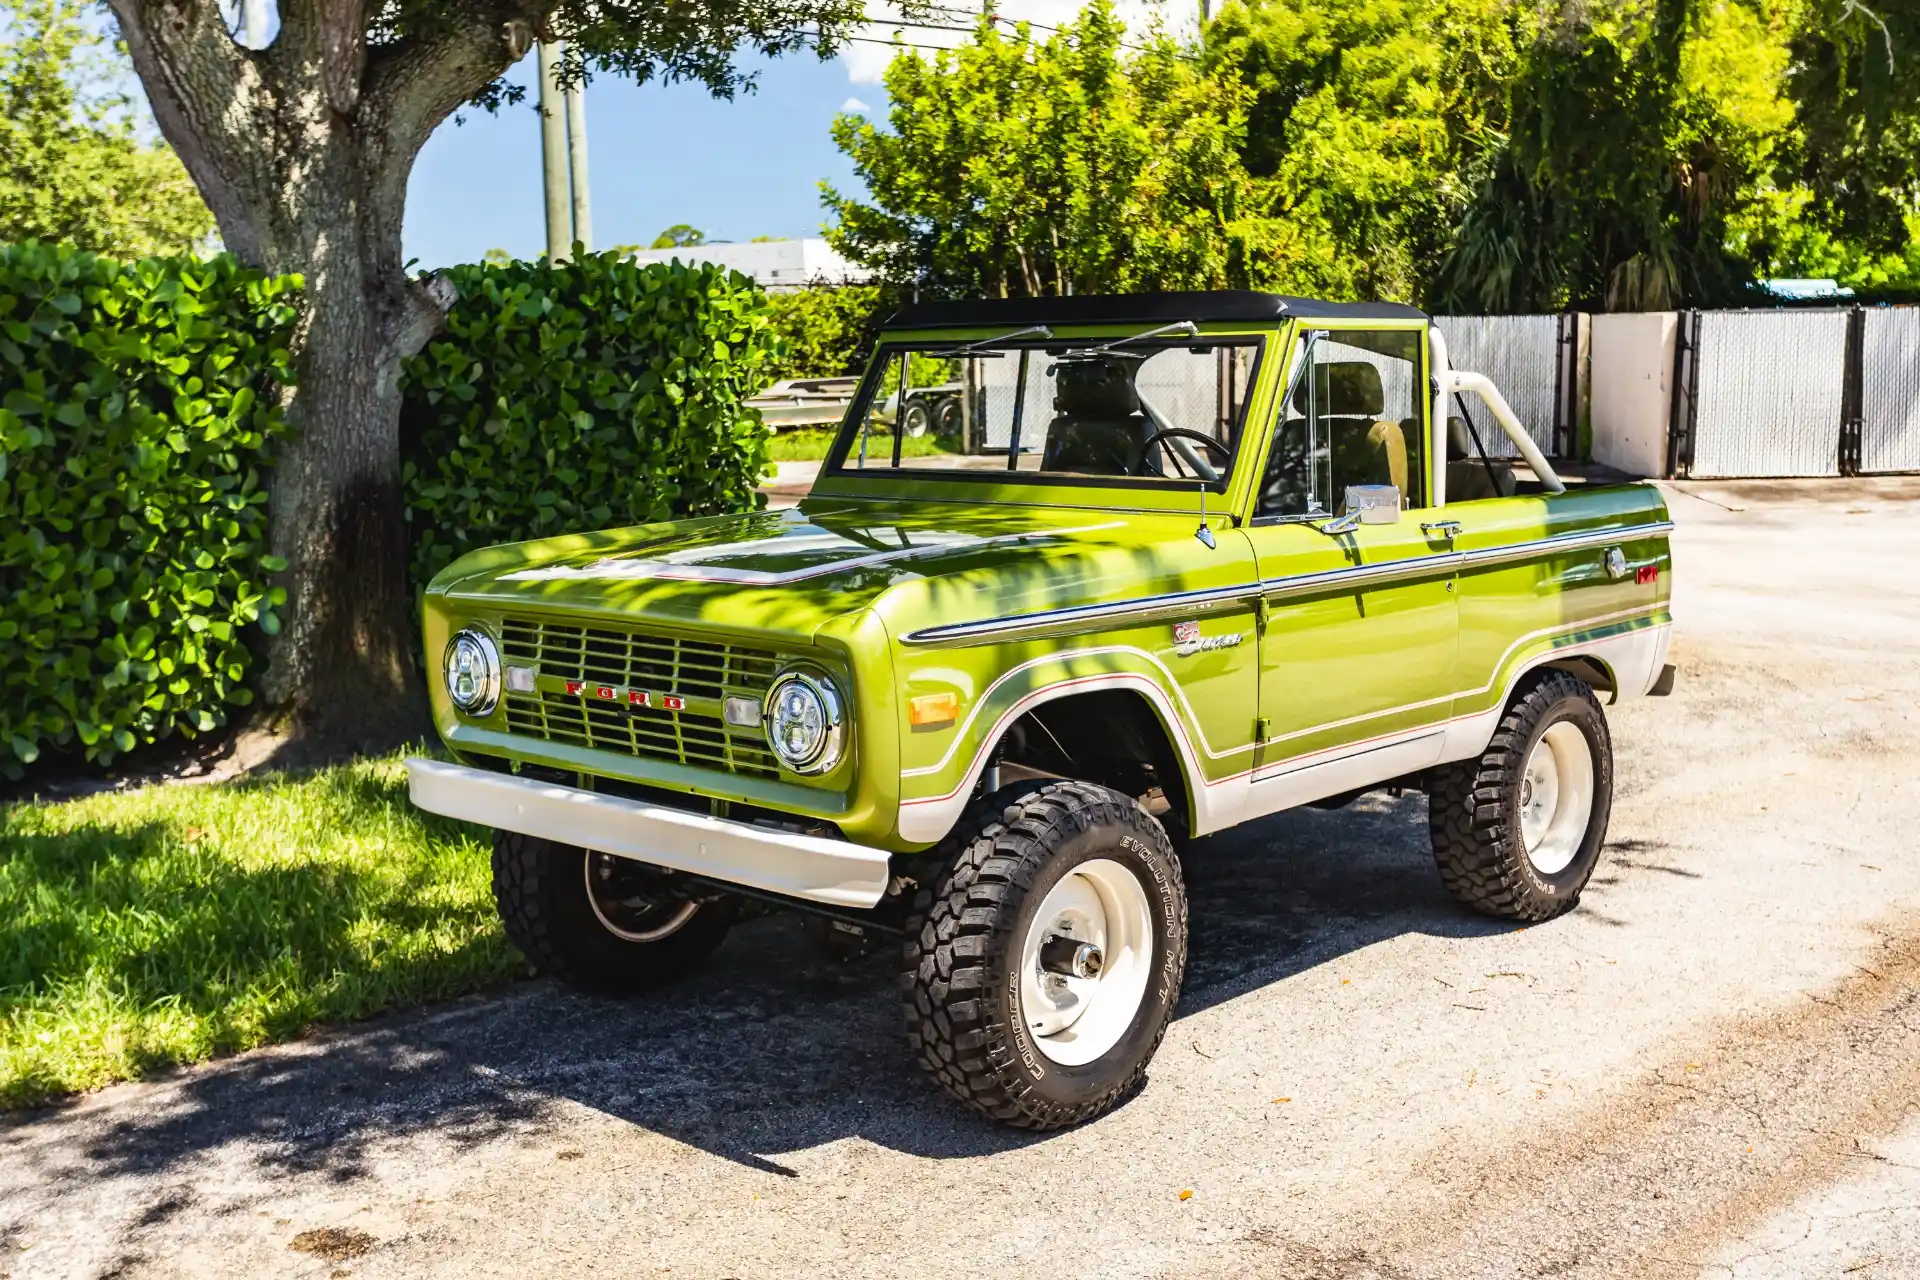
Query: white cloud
column 866, row 61
column 853, row 106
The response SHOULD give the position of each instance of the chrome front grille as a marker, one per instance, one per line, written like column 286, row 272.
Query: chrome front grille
column 642, row 693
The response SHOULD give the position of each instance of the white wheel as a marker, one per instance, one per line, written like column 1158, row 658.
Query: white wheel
column 1518, row 831
column 1085, row 962
column 1044, row 959
column 1556, row 798
column 618, row 892
column 608, row 924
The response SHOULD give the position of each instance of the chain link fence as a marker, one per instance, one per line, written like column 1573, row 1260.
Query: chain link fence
column 1526, row 356
column 1767, row 388
column 1889, row 425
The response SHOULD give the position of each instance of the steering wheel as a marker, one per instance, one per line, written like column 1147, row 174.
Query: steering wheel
column 1225, row 455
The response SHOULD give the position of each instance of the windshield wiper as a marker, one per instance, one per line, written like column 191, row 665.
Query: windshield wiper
column 1185, row 328
column 1031, row 331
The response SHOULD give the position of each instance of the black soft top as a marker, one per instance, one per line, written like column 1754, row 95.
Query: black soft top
column 1141, row 308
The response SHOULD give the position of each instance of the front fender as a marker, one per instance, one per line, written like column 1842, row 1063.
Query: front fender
column 940, row 776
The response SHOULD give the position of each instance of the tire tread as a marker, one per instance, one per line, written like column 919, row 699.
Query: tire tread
column 1478, row 853
column 958, row 930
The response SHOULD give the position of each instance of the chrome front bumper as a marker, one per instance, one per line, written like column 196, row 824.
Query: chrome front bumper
column 812, row 867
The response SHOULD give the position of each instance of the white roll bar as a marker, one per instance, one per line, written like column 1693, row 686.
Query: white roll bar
column 1446, row 382
column 1437, row 449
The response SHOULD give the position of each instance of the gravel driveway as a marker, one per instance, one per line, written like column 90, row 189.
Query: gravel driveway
column 1711, row 1069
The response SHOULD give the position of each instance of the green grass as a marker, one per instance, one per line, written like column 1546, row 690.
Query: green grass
column 808, row 445
column 175, row 923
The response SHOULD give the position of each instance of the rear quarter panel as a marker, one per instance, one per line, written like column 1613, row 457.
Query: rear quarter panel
column 1518, row 612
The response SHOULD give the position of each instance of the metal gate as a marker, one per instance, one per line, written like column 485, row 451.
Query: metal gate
column 1889, row 412
column 1527, row 357
column 1760, row 393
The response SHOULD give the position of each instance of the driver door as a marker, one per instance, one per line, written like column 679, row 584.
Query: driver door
column 1359, row 650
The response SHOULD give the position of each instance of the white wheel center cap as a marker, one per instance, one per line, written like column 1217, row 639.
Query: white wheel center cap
column 1085, row 962
column 1556, row 798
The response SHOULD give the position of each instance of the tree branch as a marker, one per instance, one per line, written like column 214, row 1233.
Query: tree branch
column 415, row 83
column 410, row 87
column 212, row 104
column 332, row 36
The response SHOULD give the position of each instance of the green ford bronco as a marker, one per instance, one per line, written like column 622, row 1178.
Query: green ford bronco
column 1178, row 561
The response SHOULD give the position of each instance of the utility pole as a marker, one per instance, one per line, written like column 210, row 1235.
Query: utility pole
column 577, row 163
column 553, row 154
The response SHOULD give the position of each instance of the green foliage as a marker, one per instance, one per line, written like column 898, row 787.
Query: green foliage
column 679, row 236
column 171, row 924
column 1477, row 155
column 579, row 396
column 1638, row 132
column 137, row 408
column 1012, row 167
column 1793, row 234
column 1364, row 118
column 825, row 331
column 72, row 167
column 1855, row 77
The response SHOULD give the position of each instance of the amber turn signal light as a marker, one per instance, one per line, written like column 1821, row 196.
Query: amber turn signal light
column 933, row 708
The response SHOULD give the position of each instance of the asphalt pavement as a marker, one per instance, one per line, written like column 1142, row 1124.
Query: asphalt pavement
column 1711, row 1069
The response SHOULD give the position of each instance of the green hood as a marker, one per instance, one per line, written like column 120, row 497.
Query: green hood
column 788, row 573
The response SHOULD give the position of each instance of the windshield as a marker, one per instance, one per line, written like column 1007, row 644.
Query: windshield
column 1153, row 410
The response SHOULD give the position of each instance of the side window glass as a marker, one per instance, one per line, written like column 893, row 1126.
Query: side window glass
column 1352, row 416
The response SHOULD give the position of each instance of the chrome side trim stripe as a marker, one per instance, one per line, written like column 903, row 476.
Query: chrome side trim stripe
column 1186, row 603
column 1361, row 575
column 1143, row 609
column 1564, row 542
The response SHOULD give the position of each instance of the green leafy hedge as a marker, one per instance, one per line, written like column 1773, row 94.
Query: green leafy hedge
column 826, row 331
column 137, row 410
column 583, row 395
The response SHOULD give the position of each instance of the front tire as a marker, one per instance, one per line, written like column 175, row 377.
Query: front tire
column 603, row 923
column 1517, row 833
column 1043, row 962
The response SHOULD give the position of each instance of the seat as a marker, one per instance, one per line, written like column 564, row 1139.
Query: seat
column 1363, row 448
column 1098, row 427
column 1469, row 477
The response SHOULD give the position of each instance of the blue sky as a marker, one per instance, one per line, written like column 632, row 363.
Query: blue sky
column 657, row 155
column 665, row 154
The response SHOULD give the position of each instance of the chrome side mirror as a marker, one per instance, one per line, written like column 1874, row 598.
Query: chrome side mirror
column 1374, row 503
column 1366, row 504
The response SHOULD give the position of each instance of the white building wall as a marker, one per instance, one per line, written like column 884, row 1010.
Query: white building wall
column 773, row 264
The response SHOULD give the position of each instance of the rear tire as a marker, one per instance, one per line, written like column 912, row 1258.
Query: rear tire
column 1517, row 832
column 947, row 419
column 1043, row 962
column 599, row 922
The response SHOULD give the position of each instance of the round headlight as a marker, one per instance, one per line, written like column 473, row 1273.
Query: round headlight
column 473, row 673
column 804, row 722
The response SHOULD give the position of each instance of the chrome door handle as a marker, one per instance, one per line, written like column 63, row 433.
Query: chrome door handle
column 1442, row 529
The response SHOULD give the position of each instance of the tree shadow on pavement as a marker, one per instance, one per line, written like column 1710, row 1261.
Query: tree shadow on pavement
column 775, row 1049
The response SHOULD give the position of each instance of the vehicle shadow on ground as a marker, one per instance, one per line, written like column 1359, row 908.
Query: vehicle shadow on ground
column 775, row 1049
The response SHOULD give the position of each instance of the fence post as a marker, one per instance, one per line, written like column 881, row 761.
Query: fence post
column 1564, row 384
column 1853, row 391
column 1684, row 414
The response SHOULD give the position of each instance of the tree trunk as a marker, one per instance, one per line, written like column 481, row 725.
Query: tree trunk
column 302, row 150
column 344, row 671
